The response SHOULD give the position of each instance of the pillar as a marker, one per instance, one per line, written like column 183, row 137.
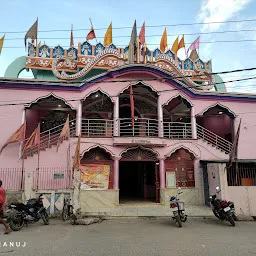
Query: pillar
column 199, row 182
column 76, row 191
column 223, row 181
column 162, row 173
column 193, row 123
column 79, row 118
column 116, row 117
column 116, row 173
column 160, row 118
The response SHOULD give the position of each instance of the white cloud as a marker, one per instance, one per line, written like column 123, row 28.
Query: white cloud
column 219, row 10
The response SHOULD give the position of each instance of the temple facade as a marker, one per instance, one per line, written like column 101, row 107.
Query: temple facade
column 180, row 133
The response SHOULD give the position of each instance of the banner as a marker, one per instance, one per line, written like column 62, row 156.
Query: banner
column 94, row 176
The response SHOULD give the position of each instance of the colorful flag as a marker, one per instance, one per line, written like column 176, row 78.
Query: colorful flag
column 142, row 34
column 34, row 140
column 175, row 46
column 163, row 43
column 76, row 162
column 132, row 104
column 1, row 43
column 194, row 45
column 71, row 37
column 91, row 35
column 181, row 43
column 194, row 55
column 133, row 44
column 32, row 32
column 39, row 44
column 64, row 133
column 108, row 35
column 18, row 136
column 233, row 153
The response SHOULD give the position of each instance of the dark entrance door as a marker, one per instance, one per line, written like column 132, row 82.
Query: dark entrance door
column 137, row 181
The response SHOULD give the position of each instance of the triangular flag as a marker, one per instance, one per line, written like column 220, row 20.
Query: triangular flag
column 163, row 42
column 132, row 104
column 108, row 35
column 71, row 37
column 142, row 34
column 181, row 43
column 64, row 133
column 34, row 140
column 194, row 45
column 91, row 35
column 132, row 44
column 32, row 32
column 76, row 162
column 175, row 46
column 1, row 43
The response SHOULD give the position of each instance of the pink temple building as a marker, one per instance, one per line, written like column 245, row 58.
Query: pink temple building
column 184, row 127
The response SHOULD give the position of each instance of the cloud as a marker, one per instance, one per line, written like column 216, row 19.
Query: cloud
column 219, row 10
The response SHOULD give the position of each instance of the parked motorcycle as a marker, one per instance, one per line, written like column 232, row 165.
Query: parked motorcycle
column 222, row 209
column 18, row 214
column 178, row 209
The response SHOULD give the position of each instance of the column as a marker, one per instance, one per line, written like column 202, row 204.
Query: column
column 116, row 117
column 162, row 173
column 223, row 181
column 160, row 118
column 79, row 118
column 193, row 123
column 199, row 182
column 116, row 172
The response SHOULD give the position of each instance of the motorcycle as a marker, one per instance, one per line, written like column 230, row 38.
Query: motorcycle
column 178, row 209
column 18, row 214
column 223, row 209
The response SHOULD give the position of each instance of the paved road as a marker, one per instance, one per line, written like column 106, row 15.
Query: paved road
column 134, row 237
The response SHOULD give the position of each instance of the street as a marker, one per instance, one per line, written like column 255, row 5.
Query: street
column 133, row 237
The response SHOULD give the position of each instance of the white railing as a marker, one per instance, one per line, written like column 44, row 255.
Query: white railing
column 49, row 138
column 177, row 130
column 143, row 127
column 213, row 139
column 97, row 128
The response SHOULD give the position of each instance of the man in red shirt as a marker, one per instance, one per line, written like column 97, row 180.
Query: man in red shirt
column 2, row 203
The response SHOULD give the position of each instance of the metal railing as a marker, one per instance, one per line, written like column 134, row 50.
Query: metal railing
column 97, row 128
column 177, row 130
column 213, row 139
column 143, row 127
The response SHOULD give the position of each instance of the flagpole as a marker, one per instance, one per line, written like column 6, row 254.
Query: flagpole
column 38, row 157
column 93, row 29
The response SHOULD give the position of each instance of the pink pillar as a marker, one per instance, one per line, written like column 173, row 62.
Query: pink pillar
column 162, row 173
column 116, row 173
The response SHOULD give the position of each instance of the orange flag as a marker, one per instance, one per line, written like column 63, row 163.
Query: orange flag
column 163, row 43
column 64, row 133
column 142, row 34
column 91, row 35
column 18, row 136
column 181, row 43
column 34, row 139
column 76, row 162
column 132, row 104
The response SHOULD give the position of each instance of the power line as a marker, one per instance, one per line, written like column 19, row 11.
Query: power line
column 210, row 42
column 168, row 90
column 171, row 35
column 147, row 26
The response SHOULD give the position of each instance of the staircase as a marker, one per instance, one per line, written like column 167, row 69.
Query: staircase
column 213, row 139
column 49, row 138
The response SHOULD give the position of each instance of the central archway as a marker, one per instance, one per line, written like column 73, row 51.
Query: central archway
column 139, row 176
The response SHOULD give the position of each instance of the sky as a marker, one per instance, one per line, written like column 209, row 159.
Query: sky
column 17, row 16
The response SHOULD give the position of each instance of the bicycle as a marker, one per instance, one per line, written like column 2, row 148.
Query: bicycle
column 68, row 211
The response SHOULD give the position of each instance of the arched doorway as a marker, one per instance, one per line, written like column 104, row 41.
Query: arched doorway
column 145, row 111
column 177, row 118
column 51, row 112
column 97, row 158
column 219, row 120
column 138, row 176
column 181, row 162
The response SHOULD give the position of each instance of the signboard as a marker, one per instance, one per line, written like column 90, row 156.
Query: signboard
column 58, row 175
column 170, row 180
column 95, row 176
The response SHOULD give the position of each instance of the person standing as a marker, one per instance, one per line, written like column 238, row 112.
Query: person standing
column 2, row 203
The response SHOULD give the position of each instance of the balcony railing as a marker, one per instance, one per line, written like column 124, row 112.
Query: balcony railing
column 177, row 130
column 97, row 128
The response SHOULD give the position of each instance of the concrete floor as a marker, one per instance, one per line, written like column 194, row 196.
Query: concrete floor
column 206, row 237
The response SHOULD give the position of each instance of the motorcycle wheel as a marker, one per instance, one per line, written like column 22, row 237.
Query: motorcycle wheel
column 216, row 215
column 184, row 218
column 231, row 220
column 178, row 221
column 235, row 217
column 45, row 218
column 16, row 222
column 65, row 214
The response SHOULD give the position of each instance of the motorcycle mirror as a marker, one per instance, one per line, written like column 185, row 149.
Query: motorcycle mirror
column 41, row 195
column 179, row 188
column 217, row 188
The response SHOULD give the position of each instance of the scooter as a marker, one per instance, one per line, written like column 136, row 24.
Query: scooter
column 178, row 209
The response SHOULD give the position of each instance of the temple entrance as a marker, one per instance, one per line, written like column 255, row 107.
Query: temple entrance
column 137, row 181
column 138, row 176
